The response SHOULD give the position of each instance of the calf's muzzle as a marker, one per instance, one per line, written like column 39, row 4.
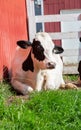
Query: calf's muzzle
column 51, row 65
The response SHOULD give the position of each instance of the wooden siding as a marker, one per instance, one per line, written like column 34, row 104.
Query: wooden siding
column 54, row 7
column 12, row 28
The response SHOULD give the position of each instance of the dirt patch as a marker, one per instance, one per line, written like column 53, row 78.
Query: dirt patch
column 17, row 99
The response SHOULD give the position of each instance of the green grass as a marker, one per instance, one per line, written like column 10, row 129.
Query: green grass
column 70, row 78
column 46, row 110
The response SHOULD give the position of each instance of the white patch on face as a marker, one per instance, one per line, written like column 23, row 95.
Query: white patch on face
column 47, row 44
column 45, row 40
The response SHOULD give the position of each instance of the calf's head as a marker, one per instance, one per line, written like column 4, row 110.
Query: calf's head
column 43, row 50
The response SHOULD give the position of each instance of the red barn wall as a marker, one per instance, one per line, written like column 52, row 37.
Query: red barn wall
column 54, row 7
column 13, row 27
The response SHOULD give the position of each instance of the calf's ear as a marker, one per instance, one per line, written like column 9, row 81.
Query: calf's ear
column 58, row 49
column 23, row 44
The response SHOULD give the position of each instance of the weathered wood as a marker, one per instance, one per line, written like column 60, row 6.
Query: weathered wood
column 70, row 69
column 71, row 52
column 57, row 18
column 65, row 35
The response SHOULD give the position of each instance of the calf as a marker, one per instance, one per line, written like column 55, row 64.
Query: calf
column 79, row 70
column 37, row 65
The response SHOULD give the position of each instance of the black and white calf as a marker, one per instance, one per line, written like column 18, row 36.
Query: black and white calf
column 37, row 65
column 79, row 68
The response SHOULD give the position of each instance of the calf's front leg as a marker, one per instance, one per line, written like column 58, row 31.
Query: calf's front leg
column 20, row 87
column 39, row 81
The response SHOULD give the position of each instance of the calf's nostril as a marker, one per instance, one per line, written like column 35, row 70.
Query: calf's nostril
column 51, row 65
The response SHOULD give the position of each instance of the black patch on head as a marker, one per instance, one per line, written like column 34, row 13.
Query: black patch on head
column 28, row 64
column 79, row 69
column 38, row 50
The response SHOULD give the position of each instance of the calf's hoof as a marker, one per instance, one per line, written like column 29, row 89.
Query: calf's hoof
column 70, row 86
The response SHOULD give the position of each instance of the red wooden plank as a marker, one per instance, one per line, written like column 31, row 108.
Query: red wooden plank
column 51, row 10
column 67, row 4
column 57, row 42
column 56, row 9
column 47, row 27
column 72, row 4
column 46, row 11
column 12, row 28
column 61, row 6
column 51, row 27
column 77, row 4
column 57, row 26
